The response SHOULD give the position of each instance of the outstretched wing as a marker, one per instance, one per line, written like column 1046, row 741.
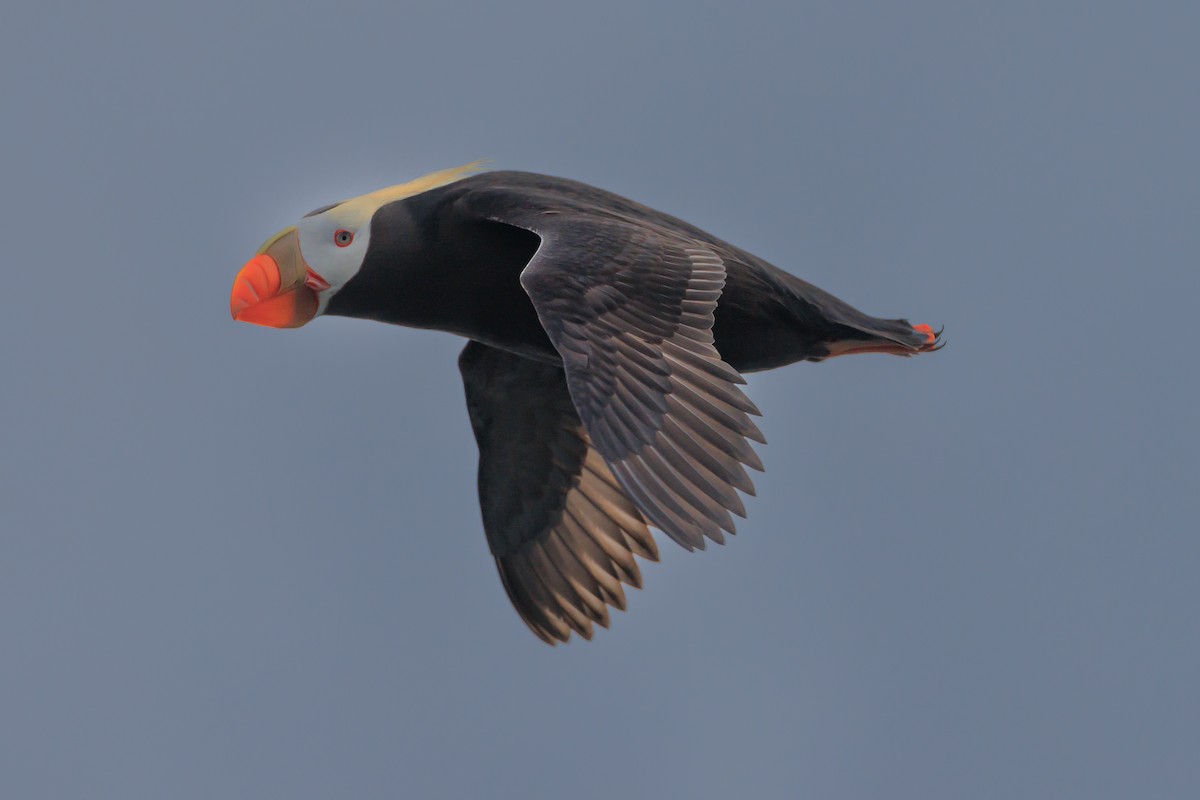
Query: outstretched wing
column 629, row 307
column 563, row 533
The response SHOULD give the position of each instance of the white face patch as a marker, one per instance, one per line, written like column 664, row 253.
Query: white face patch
column 322, row 243
column 320, row 235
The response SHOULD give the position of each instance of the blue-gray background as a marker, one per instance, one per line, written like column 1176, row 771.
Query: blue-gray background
column 245, row 563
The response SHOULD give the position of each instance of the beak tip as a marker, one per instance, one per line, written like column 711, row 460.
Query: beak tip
column 238, row 305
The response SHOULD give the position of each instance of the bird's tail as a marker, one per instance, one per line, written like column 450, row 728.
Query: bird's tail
column 893, row 336
column 847, row 330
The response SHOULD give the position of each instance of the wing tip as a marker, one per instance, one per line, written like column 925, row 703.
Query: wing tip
column 551, row 604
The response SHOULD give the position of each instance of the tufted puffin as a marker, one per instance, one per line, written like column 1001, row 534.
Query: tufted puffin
column 602, row 372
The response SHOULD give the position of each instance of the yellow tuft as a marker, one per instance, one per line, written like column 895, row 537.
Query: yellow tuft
column 357, row 211
column 440, row 178
column 365, row 205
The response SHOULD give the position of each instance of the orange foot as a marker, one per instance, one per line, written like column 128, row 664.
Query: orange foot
column 932, row 341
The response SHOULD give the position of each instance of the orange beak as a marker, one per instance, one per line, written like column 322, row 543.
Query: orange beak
column 277, row 288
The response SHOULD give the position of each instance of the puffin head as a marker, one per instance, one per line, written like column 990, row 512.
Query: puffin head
column 293, row 275
column 295, row 272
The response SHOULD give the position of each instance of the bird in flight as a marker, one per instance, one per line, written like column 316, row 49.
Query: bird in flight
column 603, row 367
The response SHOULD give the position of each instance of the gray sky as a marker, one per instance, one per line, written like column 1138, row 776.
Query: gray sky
column 244, row 563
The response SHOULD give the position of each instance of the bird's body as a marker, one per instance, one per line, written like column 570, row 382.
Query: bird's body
column 602, row 373
column 461, row 274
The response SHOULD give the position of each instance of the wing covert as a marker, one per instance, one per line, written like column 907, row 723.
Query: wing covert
column 630, row 310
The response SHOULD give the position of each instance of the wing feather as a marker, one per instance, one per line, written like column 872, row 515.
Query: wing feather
column 563, row 533
column 630, row 309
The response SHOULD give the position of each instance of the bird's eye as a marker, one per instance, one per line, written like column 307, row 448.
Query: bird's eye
column 343, row 237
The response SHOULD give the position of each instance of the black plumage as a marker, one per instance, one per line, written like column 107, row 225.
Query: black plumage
column 603, row 376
